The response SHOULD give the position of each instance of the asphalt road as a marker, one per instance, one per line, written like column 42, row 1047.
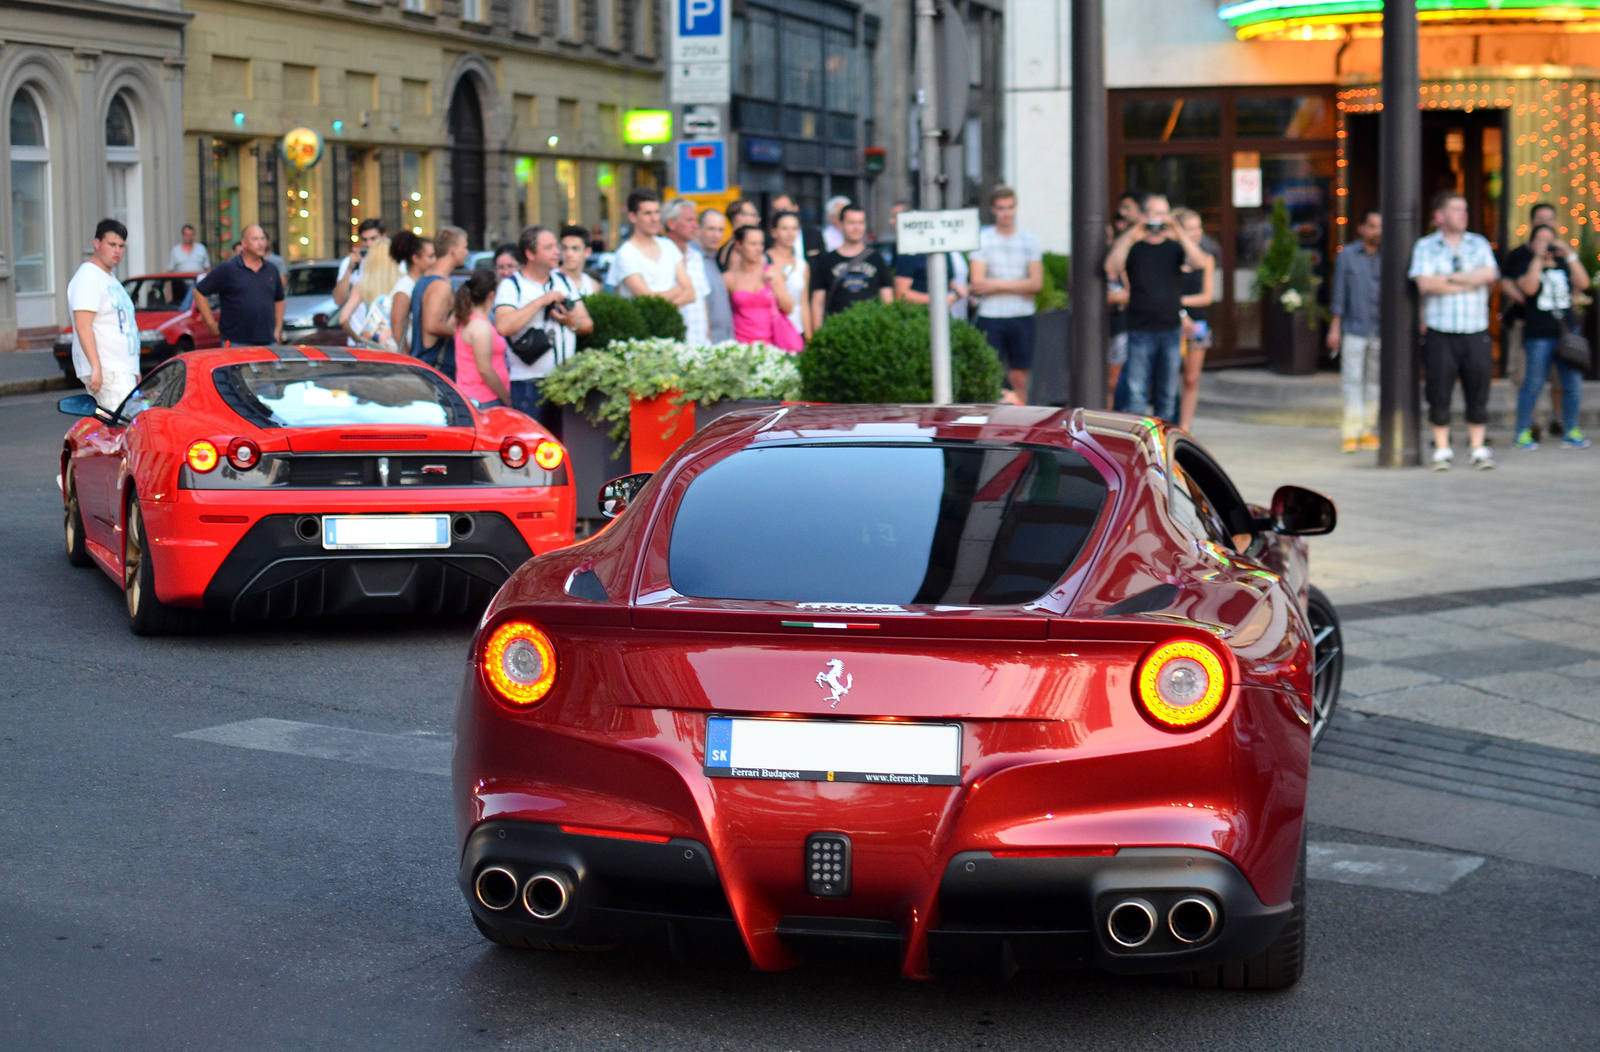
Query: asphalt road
column 166, row 892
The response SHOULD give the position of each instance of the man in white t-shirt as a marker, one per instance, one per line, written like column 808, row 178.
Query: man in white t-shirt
column 189, row 256
column 648, row 264
column 1007, row 273
column 105, row 331
column 539, row 296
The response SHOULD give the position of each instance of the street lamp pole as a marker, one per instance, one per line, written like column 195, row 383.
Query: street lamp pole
column 1400, row 193
column 1087, row 375
column 933, row 198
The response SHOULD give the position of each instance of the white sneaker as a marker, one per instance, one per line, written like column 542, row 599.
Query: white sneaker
column 1481, row 458
column 1443, row 458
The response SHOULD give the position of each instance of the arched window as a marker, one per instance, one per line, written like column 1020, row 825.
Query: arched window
column 30, row 196
column 124, row 188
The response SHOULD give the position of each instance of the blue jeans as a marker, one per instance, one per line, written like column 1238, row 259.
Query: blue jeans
column 525, row 398
column 1152, row 377
column 1540, row 354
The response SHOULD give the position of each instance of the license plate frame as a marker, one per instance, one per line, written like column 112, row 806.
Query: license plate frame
column 807, row 750
column 385, row 532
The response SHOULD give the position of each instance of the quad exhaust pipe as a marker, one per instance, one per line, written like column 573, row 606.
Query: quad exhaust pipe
column 547, row 894
column 1191, row 920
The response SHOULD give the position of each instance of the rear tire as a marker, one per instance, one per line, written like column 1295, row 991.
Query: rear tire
column 147, row 615
column 77, row 548
column 518, row 942
column 1327, row 662
column 1277, row 967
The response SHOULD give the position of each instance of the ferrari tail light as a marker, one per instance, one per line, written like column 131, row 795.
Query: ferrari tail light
column 548, row 454
column 519, row 662
column 1181, row 683
column 202, row 456
column 243, row 454
column 514, row 451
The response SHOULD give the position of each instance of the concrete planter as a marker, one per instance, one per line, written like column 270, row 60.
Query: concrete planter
column 1049, row 382
column 1292, row 347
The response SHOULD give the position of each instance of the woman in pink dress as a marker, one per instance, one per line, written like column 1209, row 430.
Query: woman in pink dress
column 758, row 294
column 481, row 369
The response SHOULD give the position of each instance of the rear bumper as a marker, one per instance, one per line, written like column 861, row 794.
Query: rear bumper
column 995, row 915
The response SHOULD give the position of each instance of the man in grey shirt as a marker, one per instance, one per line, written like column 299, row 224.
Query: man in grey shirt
column 703, row 252
column 1353, row 334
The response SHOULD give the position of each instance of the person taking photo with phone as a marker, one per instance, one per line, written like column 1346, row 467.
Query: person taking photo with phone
column 1549, row 276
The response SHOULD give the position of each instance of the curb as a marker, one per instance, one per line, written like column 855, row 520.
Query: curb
column 22, row 387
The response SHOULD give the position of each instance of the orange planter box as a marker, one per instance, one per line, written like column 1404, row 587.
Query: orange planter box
column 656, row 428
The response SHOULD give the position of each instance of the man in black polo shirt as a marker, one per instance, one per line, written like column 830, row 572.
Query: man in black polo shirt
column 251, row 292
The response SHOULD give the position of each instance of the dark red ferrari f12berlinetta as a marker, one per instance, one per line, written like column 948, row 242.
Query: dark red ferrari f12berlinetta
column 968, row 687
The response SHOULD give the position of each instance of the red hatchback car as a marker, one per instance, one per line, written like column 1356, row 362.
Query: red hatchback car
column 268, row 482
column 169, row 322
column 987, row 686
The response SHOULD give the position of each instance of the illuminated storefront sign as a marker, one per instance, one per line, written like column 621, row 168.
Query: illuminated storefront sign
column 1328, row 19
column 647, row 126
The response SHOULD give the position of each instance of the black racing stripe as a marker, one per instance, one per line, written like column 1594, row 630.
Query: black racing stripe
column 286, row 353
column 338, row 354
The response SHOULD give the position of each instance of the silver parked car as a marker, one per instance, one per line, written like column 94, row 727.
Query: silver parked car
column 310, row 314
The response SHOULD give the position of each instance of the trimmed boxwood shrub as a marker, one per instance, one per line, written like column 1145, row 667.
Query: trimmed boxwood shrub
column 878, row 352
column 627, row 318
column 661, row 319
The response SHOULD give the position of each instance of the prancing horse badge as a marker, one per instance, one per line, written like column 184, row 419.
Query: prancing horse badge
column 835, row 678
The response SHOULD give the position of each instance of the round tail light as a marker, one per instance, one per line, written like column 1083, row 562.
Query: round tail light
column 519, row 662
column 202, row 456
column 514, row 451
column 1182, row 683
column 243, row 454
column 548, row 454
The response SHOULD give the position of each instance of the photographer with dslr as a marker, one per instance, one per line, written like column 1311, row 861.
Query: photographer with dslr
column 540, row 314
column 1548, row 279
column 1148, row 258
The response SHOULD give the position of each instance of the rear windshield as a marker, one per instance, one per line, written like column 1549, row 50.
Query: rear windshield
column 954, row 525
column 158, row 293
column 330, row 394
column 312, row 281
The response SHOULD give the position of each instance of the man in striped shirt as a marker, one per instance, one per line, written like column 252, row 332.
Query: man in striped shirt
column 1453, row 269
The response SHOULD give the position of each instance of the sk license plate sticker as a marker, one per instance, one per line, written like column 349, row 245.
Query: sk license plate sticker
column 834, row 751
column 386, row 531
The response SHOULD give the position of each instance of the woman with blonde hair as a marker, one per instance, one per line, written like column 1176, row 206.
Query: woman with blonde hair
column 1199, row 292
column 366, row 313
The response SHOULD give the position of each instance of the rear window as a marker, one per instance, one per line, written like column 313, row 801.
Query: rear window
column 331, row 394
column 312, row 281
column 927, row 524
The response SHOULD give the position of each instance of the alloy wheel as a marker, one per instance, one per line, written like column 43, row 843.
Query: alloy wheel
column 1327, row 669
column 132, row 558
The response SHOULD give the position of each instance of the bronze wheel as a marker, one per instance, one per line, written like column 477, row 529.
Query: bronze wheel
column 72, row 526
column 148, row 615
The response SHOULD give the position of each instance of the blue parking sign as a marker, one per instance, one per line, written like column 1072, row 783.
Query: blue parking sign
column 700, row 18
column 702, row 166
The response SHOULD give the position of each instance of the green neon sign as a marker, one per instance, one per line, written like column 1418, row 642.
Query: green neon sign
column 647, row 126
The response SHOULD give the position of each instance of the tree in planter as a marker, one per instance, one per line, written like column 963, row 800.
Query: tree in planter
column 878, row 353
column 1286, row 270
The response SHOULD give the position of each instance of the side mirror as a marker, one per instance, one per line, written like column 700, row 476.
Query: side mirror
column 616, row 495
column 1300, row 512
column 79, row 405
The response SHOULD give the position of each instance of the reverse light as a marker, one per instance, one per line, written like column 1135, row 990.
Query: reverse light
column 547, row 454
column 1181, row 683
column 514, row 451
column 202, row 456
column 520, row 663
column 243, row 454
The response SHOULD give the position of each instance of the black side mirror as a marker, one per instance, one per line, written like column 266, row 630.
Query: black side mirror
column 616, row 495
column 1301, row 512
column 79, row 405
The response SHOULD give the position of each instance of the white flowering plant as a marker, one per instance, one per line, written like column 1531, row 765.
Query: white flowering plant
column 628, row 369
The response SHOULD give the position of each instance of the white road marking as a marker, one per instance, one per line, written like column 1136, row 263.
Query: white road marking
column 1431, row 872
column 400, row 752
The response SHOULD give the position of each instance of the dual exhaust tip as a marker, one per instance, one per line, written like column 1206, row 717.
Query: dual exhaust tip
column 1132, row 922
column 547, row 895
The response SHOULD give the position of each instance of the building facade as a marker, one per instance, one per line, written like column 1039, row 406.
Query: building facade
column 486, row 114
column 93, row 94
column 1199, row 90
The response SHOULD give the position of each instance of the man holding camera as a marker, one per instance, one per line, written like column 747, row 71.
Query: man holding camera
column 1547, row 274
column 369, row 233
column 1148, row 258
column 1453, row 269
column 538, row 299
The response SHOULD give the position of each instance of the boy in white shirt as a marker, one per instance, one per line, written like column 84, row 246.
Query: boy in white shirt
column 105, row 331
column 648, row 264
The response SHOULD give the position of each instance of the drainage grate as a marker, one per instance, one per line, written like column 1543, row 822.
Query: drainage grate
column 1464, row 762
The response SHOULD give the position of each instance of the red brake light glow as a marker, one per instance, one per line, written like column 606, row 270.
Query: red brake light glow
column 243, row 454
column 519, row 662
column 547, row 454
column 202, row 456
column 514, row 451
column 1182, row 683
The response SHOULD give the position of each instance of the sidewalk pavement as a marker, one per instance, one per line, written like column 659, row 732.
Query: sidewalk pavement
column 1504, row 664
column 26, row 372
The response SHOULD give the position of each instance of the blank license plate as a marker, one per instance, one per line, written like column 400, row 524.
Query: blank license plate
column 834, row 751
column 386, row 531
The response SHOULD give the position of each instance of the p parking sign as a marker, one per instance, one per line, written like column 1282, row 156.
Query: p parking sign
column 699, row 30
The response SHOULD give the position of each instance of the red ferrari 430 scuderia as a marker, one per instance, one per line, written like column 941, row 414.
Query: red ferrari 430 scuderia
column 984, row 686
column 263, row 482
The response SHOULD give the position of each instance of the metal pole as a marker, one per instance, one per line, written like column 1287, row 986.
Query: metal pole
column 1087, row 374
column 933, row 198
column 1400, row 192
